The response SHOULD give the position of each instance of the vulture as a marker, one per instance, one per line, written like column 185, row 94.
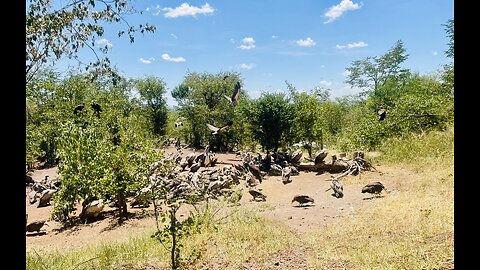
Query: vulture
column 30, row 180
column 267, row 161
column 302, row 199
column 195, row 166
column 373, row 188
column 254, row 170
column 286, row 173
column 46, row 197
column 96, row 107
column 236, row 93
column 337, row 188
column 35, row 226
column 79, row 108
column 381, row 114
column 257, row 194
column 216, row 130
column 92, row 209
column 320, row 156
column 250, row 180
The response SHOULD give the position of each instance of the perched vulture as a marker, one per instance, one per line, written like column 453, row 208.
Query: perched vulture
column 381, row 114
column 254, row 170
column 337, row 188
column 286, row 173
column 79, row 108
column 96, row 107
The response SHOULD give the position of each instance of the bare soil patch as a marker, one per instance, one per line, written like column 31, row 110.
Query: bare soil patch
column 278, row 206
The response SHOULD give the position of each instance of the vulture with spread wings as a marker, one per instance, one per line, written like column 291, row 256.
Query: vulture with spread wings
column 215, row 130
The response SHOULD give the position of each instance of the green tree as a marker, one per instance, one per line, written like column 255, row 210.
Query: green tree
column 56, row 29
column 424, row 105
column 270, row 118
column 201, row 98
column 373, row 72
column 152, row 92
column 180, row 93
column 448, row 72
column 449, row 29
column 93, row 167
column 306, row 114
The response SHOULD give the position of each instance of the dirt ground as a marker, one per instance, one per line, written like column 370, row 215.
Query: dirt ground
column 278, row 206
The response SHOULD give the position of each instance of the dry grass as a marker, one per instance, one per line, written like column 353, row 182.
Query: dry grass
column 407, row 230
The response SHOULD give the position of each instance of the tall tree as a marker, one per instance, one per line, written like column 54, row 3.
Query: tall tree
column 152, row 92
column 373, row 72
column 449, row 28
column 201, row 98
column 56, row 29
column 270, row 117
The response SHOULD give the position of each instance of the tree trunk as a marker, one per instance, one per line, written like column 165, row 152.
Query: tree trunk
column 173, row 232
column 123, row 205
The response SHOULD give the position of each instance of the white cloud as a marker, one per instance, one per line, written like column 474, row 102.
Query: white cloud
column 247, row 66
column 146, row 61
column 274, row 36
column 352, row 45
column 167, row 57
column 326, row 83
column 187, row 10
column 435, row 53
column 248, row 43
column 232, row 40
column 147, row 9
column 105, row 41
column 173, row 36
column 306, row 42
column 336, row 11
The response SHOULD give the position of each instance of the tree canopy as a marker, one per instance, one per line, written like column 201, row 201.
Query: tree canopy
column 56, row 29
column 373, row 72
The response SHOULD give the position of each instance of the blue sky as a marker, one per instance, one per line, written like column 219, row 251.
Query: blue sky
column 309, row 43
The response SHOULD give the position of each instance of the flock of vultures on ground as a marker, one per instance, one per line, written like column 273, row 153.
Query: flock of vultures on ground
column 197, row 174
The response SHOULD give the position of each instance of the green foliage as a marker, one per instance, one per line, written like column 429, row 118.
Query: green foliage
column 362, row 130
column 181, row 92
column 425, row 105
column 55, row 31
column 93, row 166
column 449, row 29
column 202, row 100
column 374, row 71
column 270, row 118
column 331, row 120
column 100, row 154
column 172, row 234
column 152, row 92
column 422, row 104
column 305, row 124
column 316, row 118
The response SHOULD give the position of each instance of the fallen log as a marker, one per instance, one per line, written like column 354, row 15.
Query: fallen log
column 335, row 167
